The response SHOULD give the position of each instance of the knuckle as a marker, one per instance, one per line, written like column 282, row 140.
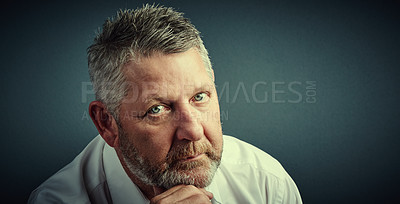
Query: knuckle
column 200, row 198
column 191, row 187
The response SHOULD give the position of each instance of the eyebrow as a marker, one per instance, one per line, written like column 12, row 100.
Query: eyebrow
column 156, row 98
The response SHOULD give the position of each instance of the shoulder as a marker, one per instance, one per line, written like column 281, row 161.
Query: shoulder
column 250, row 175
column 238, row 152
column 77, row 180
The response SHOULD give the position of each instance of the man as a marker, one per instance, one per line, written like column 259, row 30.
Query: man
column 158, row 116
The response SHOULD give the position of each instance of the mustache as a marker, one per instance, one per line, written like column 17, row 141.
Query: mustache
column 189, row 150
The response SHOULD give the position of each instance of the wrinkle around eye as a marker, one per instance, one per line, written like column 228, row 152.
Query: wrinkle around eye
column 162, row 110
column 206, row 98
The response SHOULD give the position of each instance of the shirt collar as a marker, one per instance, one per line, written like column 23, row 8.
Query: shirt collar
column 213, row 188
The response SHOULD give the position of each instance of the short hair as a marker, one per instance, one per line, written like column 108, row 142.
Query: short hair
column 133, row 34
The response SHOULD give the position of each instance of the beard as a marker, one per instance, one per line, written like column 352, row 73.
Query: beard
column 173, row 170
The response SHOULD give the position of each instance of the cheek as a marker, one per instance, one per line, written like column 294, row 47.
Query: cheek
column 213, row 113
column 213, row 129
column 152, row 143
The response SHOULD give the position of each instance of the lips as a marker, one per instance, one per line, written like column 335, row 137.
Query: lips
column 193, row 157
column 189, row 152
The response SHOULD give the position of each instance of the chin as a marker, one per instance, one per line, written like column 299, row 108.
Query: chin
column 200, row 176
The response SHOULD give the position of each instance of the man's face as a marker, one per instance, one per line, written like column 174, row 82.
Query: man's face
column 170, row 122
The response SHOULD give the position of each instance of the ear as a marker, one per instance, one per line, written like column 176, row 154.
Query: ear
column 104, row 122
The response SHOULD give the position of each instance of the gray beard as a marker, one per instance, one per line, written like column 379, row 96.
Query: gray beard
column 171, row 172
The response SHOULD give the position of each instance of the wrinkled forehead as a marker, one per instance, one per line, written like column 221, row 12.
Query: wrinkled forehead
column 174, row 73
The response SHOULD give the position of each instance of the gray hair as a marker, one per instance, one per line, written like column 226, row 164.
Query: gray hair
column 133, row 34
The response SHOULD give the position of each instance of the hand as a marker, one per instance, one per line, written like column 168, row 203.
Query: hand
column 181, row 194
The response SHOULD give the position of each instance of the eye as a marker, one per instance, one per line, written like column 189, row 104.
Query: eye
column 200, row 97
column 157, row 109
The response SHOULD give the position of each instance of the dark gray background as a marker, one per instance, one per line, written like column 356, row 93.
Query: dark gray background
column 341, row 149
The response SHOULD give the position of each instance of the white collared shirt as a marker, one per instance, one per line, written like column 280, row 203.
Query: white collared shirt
column 246, row 175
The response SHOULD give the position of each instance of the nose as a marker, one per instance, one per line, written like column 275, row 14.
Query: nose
column 188, row 122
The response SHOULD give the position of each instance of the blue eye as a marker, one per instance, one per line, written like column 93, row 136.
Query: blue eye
column 156, row 109
column 199, row 97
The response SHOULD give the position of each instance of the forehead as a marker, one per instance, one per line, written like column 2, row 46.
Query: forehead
column 172, row 72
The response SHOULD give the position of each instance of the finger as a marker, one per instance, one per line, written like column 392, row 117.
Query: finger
column 188, row 191
column 196, row 199
column 207, row 193
column 181, row 193
column 160, row 193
